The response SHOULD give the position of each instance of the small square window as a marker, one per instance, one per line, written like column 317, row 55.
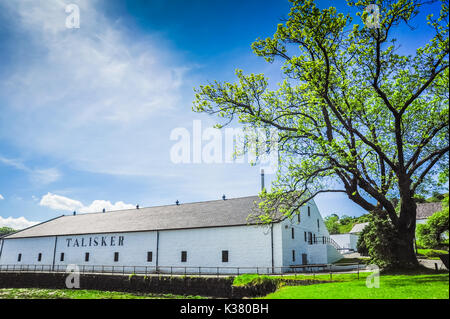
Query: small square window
column 183, row 256
column 116, row 257
column 86, row 257
column 224, row 256
column 39, row 256
column 149, row 256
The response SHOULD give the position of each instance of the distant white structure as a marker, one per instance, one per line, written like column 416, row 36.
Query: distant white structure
column 350, row 240
column 204, row 235
column 346, row 242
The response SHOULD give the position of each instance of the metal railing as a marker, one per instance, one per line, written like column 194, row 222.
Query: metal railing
column 189, row 270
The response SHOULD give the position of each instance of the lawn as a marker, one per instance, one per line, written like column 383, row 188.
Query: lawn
column 423, row 286
column 430, row 253
column 35, row 293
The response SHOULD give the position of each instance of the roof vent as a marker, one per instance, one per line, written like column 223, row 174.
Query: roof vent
column 224, row 197
column 177, row 202
column 137, row 206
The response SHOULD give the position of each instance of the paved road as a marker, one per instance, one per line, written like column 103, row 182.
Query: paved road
column 431, row 263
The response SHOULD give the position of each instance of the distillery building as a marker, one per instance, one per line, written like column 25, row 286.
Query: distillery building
column 211, row 235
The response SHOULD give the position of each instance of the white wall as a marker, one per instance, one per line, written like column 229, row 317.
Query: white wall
column 29, row 248
column 248, row 246
column 133, row 250
column 316, row 253
column 348, row 241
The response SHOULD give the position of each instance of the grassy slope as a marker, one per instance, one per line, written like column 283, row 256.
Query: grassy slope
column 35, row 293
column 425, row 286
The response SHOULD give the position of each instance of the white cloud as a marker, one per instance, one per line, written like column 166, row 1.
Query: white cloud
column 1, row 197
column 59, row 202
column 16, row 223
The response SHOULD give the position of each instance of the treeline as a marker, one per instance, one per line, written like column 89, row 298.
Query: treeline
column 343, row 224
column 6, row 230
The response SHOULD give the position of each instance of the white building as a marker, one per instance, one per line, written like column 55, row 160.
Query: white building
column 205, row 234
column 346, row 242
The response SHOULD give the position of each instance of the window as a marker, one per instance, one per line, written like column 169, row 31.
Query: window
column 292, row 233
column 19, row 257
column 306, row 236
column 61, row 257
column 314, row 239
column 293, row 255
column 183, row 256
column 86, row 257
column 116, row 256
column 224, row 256
column 309, row 211
column 318, row 225
column 149, row 256
column 298, row 217
column 39, row 256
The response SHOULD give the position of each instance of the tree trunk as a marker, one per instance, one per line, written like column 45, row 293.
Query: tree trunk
column 406, row 233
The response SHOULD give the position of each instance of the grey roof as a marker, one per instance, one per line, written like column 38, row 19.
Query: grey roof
column 229, row 212
column 425, row 210
column 357, row 228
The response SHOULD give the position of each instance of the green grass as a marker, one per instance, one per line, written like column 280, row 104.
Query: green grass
column 423, row 286
column 430, row 253
column 36, row 293
column 252, row 279
column 361, row 260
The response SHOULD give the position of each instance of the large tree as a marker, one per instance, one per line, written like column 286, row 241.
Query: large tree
column 354, row 114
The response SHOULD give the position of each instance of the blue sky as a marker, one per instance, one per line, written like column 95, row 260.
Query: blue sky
column 86, row 114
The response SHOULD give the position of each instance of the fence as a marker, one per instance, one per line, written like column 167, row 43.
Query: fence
column 190, row 270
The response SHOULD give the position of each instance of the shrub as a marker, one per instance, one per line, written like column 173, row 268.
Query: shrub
column 429, row 235
column 376, row 240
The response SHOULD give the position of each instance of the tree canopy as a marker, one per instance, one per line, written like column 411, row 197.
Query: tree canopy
column 353, row 114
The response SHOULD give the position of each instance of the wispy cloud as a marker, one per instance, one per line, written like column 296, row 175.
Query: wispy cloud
column 36, row 175
column 91, row 92
column 58, row 202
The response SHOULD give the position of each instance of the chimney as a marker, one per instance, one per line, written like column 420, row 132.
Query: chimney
column 262, row 180
column 223, row 197
column 137, row 206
